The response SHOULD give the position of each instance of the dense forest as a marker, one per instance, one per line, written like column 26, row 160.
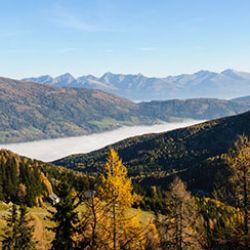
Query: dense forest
column 110, row 214
column 195, row 153
column 28, row 182
column 186, row 189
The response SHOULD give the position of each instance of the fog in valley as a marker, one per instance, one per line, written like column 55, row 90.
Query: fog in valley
column 53, row 149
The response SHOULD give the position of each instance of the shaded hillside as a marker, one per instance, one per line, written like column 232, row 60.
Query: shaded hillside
column 193, row 153
column 200, row 108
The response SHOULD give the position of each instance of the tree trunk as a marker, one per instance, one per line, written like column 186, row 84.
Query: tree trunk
column 245, row 206
column 114, row 228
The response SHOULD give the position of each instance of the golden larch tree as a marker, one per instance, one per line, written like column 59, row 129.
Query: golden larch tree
column 238, row 160
column 116, row 191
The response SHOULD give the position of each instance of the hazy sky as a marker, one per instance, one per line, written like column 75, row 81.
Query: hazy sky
column 153, row 37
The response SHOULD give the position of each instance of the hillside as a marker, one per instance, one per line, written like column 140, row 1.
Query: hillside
column 200, row 108
column 226, row 84
column 22, row 180
column 30, row 111
column 30, row 182
column 242, row 100
column 193, row 153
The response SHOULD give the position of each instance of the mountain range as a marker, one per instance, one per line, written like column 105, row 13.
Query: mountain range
column 226, row 85
column 193, row 153
column 31, row 111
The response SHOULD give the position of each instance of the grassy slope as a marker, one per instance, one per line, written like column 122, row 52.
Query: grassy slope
column 40, row 220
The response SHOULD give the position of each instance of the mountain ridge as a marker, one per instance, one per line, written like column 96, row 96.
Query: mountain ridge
column 224, row 85
column 193, row 153
column 31, row 111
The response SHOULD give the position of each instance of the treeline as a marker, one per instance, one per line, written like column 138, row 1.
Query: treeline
column 20, row 181
column 28, row 182
column 18, row 232
column 107, row 219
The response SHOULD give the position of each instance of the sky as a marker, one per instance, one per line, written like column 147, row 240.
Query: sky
column 155, row 38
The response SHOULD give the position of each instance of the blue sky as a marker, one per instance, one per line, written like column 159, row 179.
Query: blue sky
column 155, row 38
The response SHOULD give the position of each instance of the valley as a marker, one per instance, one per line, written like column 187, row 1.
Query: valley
column 53, row 149
column 31, row 111
column 124, row 125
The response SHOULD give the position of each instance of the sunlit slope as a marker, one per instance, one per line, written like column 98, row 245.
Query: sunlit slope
column 31, row 111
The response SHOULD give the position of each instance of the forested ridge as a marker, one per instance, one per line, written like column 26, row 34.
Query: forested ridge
column 184, row 189
column 31, row 111
column 193, row 153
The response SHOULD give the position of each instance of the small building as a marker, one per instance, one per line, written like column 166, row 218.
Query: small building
column 53, row 199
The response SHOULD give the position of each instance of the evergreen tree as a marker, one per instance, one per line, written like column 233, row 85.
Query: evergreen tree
column 18, row 232
column 24, row 237
column 10, row 179
column 66, row 218
column 10, row 232
column 216, row 223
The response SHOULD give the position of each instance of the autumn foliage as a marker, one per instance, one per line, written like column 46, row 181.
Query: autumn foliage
column 105, row 213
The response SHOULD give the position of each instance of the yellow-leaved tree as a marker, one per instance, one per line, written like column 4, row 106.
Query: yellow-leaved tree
column 116, row 191
column 238, row 160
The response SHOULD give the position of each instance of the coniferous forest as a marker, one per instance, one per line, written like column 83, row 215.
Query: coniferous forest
column 110, row 210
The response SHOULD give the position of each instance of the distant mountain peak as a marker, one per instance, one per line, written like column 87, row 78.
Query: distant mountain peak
column 235, row 74
column 107, row 74
column 66, row 75
column 202, row 72
column 65, row 80
column 43, row 79
column 46, row 76
column 204, row 83
column 140, row 75
column 229, row 72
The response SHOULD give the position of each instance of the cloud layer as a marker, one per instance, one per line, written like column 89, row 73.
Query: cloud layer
column 49, row 150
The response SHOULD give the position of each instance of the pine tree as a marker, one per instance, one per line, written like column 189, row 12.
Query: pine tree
column 10, row 179
column 24, row 237
column 18, row 233
column 66, row 218
column 10, row 232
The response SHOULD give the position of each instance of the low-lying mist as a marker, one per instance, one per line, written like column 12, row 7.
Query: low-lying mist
column 53, row 149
